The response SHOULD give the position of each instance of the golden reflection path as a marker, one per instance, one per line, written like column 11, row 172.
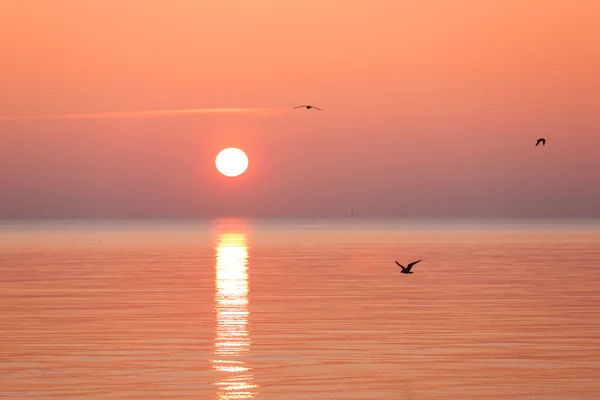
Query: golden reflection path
column 232, row 340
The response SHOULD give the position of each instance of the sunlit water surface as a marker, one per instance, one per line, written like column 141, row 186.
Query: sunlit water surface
column 299, row 309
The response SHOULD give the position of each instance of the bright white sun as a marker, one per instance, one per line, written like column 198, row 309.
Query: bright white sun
column 231, row 162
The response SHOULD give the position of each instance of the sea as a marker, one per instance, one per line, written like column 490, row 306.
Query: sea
column 291, row 309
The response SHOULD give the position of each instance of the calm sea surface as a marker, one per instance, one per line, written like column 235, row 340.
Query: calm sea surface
column 300, row 309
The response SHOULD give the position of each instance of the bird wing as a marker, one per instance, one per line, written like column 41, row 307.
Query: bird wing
column 317, row 108
column 299, row 106
column 400, row 265
column 411, row 264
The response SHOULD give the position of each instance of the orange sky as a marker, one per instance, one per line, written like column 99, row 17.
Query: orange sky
column 430, row 107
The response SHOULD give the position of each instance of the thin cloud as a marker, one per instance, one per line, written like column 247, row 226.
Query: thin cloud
column 146, row 114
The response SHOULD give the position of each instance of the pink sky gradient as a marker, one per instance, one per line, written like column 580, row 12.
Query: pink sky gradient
column 431, row 108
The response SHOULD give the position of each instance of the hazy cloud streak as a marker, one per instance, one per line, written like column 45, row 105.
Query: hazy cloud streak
column 147, row 114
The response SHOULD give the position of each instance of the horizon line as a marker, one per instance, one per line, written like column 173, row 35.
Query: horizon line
column 316, row 217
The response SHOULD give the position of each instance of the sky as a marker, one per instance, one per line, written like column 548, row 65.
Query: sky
column 430, row 108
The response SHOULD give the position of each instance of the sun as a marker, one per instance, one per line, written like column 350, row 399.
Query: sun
column 232, row 162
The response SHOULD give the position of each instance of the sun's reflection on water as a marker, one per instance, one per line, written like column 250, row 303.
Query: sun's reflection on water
column 231, row 304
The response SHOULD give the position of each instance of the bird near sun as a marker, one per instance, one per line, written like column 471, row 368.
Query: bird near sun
column 308, row 107
column 231, row 162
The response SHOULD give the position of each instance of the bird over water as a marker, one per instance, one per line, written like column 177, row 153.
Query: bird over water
column 406, row 270
column 540, row 140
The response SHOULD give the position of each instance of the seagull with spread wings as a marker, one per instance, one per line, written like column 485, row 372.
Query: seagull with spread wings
column 407, row 269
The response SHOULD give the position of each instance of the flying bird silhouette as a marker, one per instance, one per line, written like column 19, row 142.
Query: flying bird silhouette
column 540, row 140
column 309, row 107
column 407, row 269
